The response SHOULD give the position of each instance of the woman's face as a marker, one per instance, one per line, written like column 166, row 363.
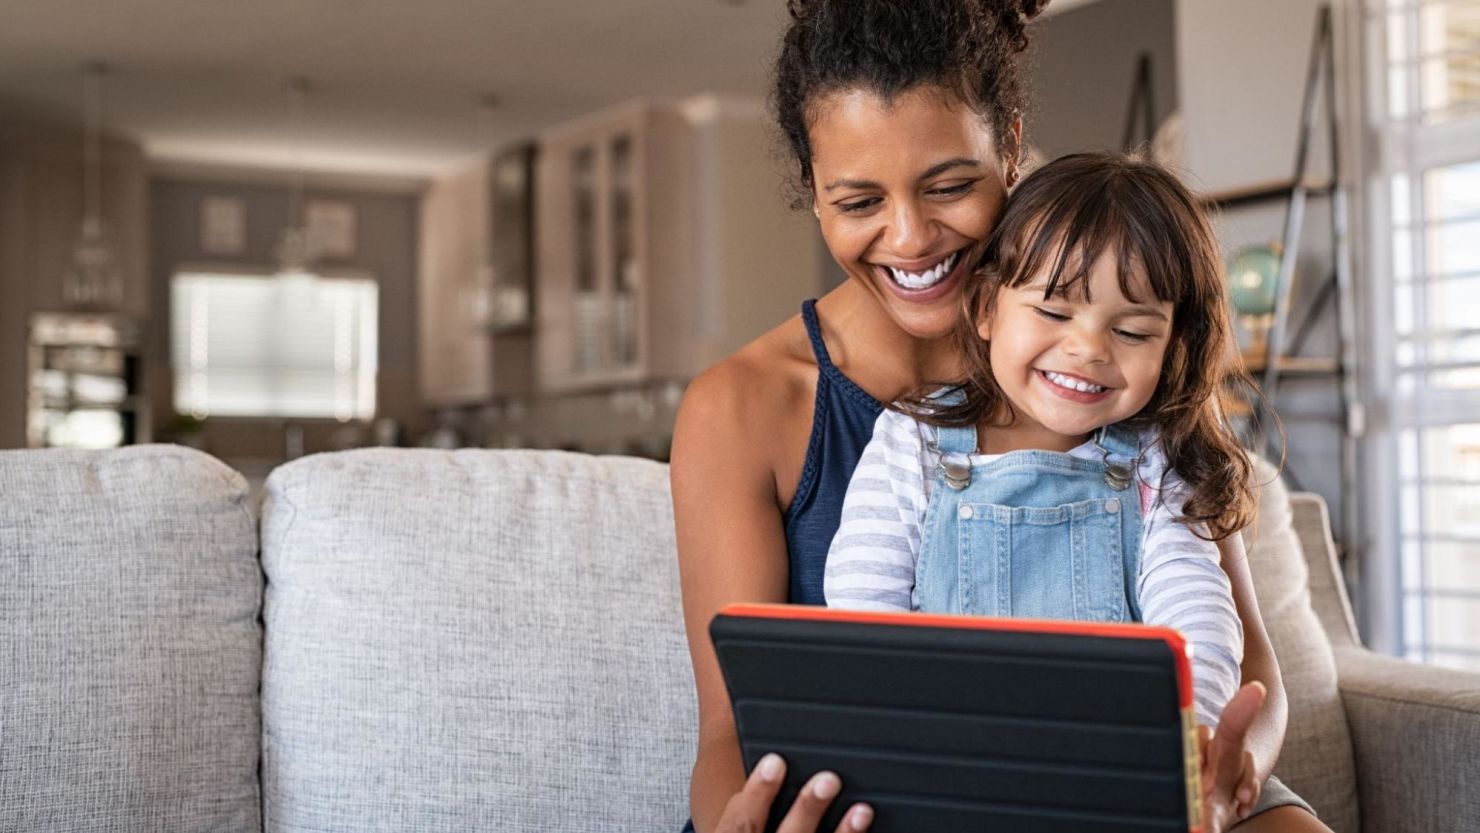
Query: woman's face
column 906, row 193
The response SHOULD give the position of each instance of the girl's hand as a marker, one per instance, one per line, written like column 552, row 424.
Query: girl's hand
column 747, row 810
column 1230, row 787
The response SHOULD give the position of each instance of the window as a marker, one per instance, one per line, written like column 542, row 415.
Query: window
column 1424, row 85
column 274, row 347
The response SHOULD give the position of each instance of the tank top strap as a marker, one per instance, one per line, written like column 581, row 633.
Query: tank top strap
column 828, row 371
column 842, row 422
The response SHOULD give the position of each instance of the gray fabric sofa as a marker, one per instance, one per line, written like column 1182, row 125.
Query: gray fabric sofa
column 491, row 640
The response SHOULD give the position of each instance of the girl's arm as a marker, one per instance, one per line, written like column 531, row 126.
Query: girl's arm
column 871, row 563
column 1181, row 586
column 1267, row 734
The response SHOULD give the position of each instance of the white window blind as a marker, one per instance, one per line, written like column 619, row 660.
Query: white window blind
column 274, row 347
column 1424, row 80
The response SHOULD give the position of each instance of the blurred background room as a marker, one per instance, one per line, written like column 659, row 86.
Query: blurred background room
column 293, row 226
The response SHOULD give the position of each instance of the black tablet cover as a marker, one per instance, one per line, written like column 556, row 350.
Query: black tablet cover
column 957, row 723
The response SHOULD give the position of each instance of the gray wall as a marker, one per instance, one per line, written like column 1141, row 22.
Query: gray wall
column 1082, row 65
column 1242, row 74
column 386, row 249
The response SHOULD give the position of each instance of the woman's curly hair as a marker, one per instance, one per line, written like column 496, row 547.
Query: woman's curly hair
column 1057, row 223
column 966, row 47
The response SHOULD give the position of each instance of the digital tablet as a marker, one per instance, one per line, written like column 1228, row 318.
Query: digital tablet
column 966, row 723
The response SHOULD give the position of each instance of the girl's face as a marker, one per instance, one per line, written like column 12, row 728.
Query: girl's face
column 1070, row 365
column 906, row 193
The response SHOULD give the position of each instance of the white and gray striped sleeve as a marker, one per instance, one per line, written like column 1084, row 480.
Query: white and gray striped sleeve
column 871, row 562
column 1182, row 586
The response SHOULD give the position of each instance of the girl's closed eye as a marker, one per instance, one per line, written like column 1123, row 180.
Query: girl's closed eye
column 1134, row 337
column 1051, row 315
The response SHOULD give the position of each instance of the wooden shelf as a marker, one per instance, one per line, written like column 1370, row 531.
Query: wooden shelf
column 1262, row 192
column 1298, row 366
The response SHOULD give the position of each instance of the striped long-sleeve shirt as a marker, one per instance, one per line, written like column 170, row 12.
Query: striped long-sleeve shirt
column 871, row 564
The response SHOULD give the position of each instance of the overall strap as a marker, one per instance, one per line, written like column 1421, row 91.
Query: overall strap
column 1124, row 444
column 956, row 440
column 953, row 440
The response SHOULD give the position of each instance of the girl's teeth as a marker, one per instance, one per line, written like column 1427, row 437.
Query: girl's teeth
column 923, row 280
column 1071, row 383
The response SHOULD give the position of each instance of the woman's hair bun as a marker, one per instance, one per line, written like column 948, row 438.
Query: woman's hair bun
column 1013, row 16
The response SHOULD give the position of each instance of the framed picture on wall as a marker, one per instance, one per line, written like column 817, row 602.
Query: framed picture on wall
column 223, row 226
column 331, row 227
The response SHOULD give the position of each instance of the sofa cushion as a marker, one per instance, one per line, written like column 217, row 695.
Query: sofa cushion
column 473, row 640
column 1317, row 759
column 130, row 648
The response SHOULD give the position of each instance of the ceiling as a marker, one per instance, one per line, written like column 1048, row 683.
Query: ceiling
column 395, row 85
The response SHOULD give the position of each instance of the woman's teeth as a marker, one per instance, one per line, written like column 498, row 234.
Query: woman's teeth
column 1071, row 383
column 928, row 278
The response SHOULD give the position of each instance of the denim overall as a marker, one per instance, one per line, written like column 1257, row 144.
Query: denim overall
column 1036, row 534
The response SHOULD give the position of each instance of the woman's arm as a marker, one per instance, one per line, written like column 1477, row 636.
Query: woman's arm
column 1267, row 734
column 731, row 548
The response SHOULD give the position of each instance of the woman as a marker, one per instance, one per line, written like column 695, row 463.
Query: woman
column 904, row 117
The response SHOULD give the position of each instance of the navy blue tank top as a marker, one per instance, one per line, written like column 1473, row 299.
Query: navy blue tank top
column 842, row 424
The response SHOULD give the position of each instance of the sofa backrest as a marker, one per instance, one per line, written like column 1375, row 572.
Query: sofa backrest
column 473, row 640
column 130, row 648
column 1317, row 760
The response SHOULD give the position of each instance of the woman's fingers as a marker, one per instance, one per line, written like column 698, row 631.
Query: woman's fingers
column 747, row 810
column 1227, row 749
column 815, row 796
column 857, row 819
column 1248, row 788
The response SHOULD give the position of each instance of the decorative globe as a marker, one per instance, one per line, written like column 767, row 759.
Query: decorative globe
column 1253, row 273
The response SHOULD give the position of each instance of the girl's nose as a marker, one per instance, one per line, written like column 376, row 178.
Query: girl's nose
column 1087, row 345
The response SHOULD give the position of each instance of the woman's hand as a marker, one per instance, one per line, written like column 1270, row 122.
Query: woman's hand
column 747, row 810
column 1230, row 784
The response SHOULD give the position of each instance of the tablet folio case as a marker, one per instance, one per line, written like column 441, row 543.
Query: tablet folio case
column 949, row 723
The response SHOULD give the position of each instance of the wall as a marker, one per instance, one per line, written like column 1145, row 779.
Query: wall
column 40, row 211
column 1082, row 67
column 386, row 248
column 1242, row 73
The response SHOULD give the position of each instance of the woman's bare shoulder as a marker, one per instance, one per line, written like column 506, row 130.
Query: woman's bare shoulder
column 760, row 382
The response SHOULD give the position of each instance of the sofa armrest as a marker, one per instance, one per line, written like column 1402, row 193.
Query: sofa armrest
column 1416, row 736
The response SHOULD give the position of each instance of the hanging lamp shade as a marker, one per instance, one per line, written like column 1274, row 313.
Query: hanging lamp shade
column 93, row 280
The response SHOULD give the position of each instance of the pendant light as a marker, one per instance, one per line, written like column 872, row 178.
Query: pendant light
column 93, row 282
column 295, row 249
column 482, row 292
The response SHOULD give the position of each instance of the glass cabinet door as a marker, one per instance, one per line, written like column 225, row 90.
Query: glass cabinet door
column 587, row 312
column 625, row 271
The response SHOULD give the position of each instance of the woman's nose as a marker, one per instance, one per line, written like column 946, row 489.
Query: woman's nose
column 911, row 232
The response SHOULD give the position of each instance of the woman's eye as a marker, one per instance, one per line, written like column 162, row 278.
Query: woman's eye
column 856, row 206
column 953, row 190
column 1050, row 314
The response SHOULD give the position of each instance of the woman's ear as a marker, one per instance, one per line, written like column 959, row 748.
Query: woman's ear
column 1012, row 149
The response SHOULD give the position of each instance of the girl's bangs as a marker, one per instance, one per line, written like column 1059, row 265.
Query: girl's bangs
column 1073, row 231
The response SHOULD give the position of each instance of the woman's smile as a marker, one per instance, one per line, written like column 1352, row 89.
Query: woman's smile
column 929, row 280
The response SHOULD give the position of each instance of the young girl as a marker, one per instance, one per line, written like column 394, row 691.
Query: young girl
column 1081, row 470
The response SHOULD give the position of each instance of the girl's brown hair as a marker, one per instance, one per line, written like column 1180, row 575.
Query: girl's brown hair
column 1059, row 221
